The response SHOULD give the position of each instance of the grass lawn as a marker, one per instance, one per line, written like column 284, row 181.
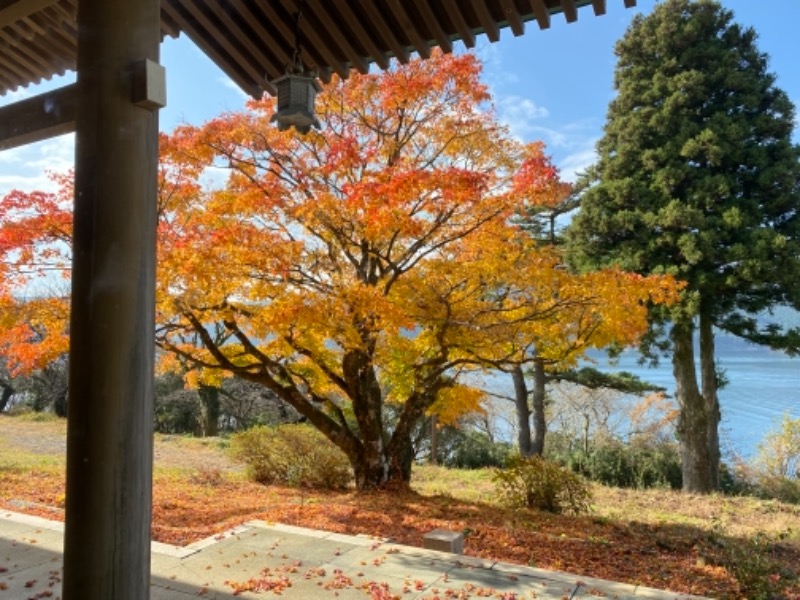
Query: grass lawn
column 724, row 547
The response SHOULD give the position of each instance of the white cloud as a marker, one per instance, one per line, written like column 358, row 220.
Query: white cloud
column 571, row 145
column 55, row 155
column 214, row 177
column 12, row 156
column 18, row 182
column 230, row 84
column 496, row 73
column 520, row 113
column 27, row 183
column 578, row 161
column 26, row 168
column 552, row 137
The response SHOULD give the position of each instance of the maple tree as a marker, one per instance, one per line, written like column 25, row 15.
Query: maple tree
column 35, row 257
column 375, row 261
column 366, row 265
column 306, row 272
column 535, row 313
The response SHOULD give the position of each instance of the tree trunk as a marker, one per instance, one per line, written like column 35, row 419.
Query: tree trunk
column 209, row 410
column 368, row 474
column 708, row 374
column 434, row 440
column 539, row 422
column 400, row 458
column 367, row 398
column 376, row 460
column 523, row 412
column 5, row 397
column 693, row 422
column 60, row 405
column 587, row 422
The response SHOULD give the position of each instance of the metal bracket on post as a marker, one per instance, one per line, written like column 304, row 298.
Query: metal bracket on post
column 149, row 85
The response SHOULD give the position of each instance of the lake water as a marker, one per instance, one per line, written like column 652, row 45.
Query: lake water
column 763, row 386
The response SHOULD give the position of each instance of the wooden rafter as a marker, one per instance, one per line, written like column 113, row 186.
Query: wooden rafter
column 252, row 41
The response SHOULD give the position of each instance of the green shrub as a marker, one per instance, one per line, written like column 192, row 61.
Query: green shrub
column 783, row 489
column 475, row 450
column 616, row 464
column 537, row 483
column 775, row 472
column 294, row 455
column 658, row 466
column 177, row 412
column 25, row 413
column 779, row 452
column 610, row 464
column 751, row 562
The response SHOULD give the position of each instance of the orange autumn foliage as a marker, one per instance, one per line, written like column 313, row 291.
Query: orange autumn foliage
column 372, row 262
column 35, row 264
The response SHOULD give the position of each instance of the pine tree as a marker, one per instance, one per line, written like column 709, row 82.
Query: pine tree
column 697, row 176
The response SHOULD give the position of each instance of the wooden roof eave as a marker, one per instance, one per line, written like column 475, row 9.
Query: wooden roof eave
column 252, row 41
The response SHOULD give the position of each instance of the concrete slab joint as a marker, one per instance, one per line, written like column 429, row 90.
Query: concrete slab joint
column 444, row 541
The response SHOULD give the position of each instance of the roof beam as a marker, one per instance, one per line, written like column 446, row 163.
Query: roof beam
column 268, row 38
column 490, row 28
column 314, row 47
column 355, row 59
column 513, row 17
column 281, row 40
column 570, row 10
column 367, row 42
column 38, row 118
column 12, row 11
column 541, row 12
column 599, row 7
column 245, row 79
column 407, row 25
column 465, row 33
column 442, row 39
column 383, row 29
column 253, row 40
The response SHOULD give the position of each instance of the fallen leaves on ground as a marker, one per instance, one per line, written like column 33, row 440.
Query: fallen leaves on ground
column 185, row 511
column 191, row 504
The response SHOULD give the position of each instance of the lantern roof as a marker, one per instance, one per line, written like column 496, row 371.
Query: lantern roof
column 252, row 40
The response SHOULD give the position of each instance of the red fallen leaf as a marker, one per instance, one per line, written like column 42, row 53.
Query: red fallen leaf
column 339, row 581
column 187, row 511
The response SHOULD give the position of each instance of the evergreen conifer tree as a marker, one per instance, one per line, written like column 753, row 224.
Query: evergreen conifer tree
column 697, row 176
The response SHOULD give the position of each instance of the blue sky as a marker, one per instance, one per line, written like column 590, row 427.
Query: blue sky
column 551, row 85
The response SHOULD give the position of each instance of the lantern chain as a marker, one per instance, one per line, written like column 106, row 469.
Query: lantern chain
column 297, row 61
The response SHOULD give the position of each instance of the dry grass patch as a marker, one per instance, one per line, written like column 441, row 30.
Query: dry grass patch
column 730, row 515
column 712, row 546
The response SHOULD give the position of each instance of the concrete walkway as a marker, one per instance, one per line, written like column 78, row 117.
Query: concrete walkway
column 267, row 559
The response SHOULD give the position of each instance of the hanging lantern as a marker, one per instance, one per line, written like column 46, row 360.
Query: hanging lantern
column 297, row 90
column 296, row 95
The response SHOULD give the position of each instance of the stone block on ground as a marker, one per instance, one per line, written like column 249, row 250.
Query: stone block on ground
column 444, row 541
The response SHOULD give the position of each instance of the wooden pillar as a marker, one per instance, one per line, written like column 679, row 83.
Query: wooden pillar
column 110, row 423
